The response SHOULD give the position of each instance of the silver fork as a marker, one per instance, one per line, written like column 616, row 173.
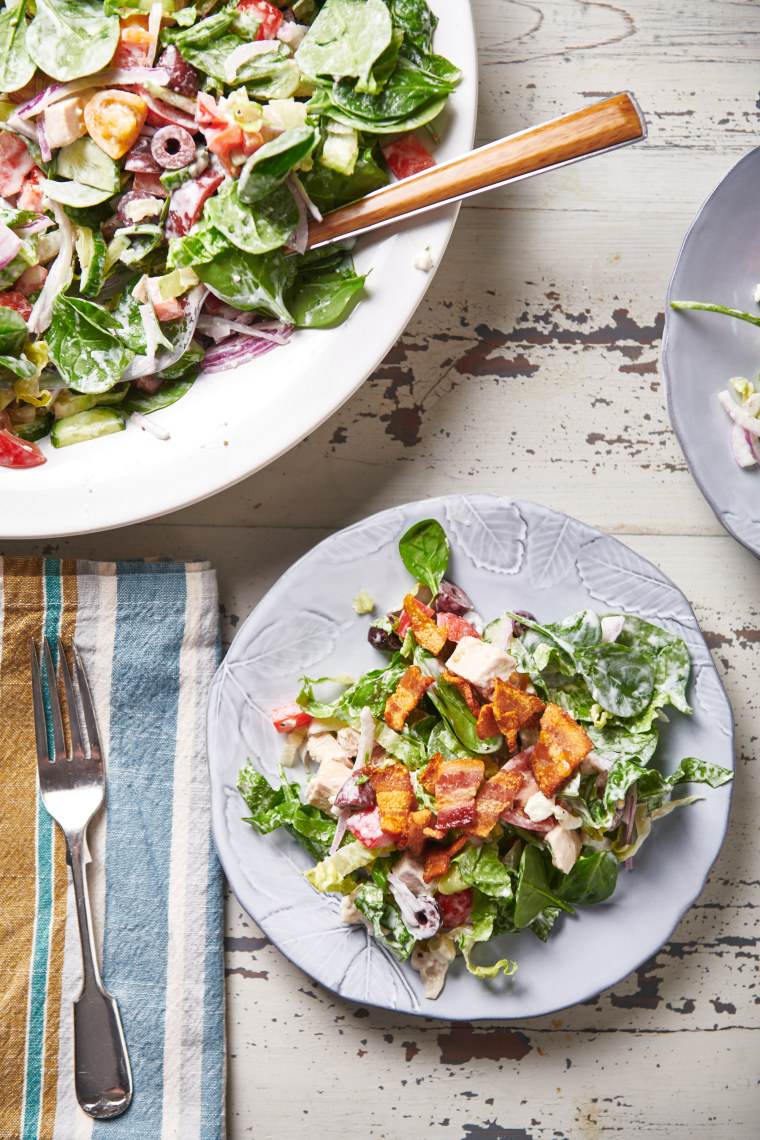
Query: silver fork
column 72, row 789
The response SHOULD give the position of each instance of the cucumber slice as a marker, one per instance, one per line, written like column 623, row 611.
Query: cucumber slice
column 35, row 429
column 86, row 425
column 91, row 251
column 69, row 403
column 115, row 396
column 499, row 632
column 74, row 193
column 84, row 161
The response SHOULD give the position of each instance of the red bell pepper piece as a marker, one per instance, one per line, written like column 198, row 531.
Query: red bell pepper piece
column 290, row 716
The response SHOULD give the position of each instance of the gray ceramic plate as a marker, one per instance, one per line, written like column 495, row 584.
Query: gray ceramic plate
column 701, row 351
column 505, row 553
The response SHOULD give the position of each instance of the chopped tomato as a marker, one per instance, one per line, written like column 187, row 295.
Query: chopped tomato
column 15, row 452
column 290, row 716
column 166, row 309
column 207, row 112
column 148, row 185
column 132, row 49
column 15, row 300
column 222, row 140
column 455, row 909
column 456, row 627
column 407, row 156
column 15, row 163
column 271, row 17
column 31, row 195
column 365, row 825
column 114, row 119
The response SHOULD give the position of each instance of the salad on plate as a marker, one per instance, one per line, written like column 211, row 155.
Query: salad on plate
column 159, row 163
column 487, row 777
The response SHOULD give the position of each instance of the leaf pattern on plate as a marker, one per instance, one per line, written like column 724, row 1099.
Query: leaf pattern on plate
column 711, row 700
column 489, row 531
column 363, row 539
column 293, row 643
column 620, row 578
column 553, row 542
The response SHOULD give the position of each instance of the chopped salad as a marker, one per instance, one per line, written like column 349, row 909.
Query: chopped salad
column 159, row 163
column 486, row 778
column 742, row 400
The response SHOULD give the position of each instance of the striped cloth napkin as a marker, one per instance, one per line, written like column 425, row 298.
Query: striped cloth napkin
column 148, row 635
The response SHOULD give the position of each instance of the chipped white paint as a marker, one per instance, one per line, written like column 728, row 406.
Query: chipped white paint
column 532, row 369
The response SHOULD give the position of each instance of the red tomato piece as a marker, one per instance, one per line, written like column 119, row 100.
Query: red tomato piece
column 15, row 452
column 221, row 140
column 365, row 825
column 165, row 308
column 31, row 280
column 16, row 301
column 147, row 185
column 271, row 17
column 456, row 627
column 15, row 164
column 407, row 156
column 132, row 49
column 455, row 909
column 290, row 716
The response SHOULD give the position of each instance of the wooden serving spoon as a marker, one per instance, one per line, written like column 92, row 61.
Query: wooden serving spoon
column 604, row 126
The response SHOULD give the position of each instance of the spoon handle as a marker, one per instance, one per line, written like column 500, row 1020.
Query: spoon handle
column 604, row 126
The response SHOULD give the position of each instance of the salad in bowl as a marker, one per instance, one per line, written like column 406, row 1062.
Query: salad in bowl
column 488, row 778
column 159, row 163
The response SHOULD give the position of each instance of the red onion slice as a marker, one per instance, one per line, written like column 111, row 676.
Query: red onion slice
column 111, row 77
column 741, row 449
column 737, row 413
column 10, row 244
column 234, row 352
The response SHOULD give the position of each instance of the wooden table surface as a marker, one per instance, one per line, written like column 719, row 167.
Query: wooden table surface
column 530, row 369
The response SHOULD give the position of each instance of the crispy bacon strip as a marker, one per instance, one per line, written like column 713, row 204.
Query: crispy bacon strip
column 438, row 862
column 431, row 772
column 395, row 797
column 486, row 726
column 415, row 834
column 562, row 745
column 465, row 688
column 408, row 694
column 455, row 789
column 513, row 709
column 426, row 633
column 496, row 795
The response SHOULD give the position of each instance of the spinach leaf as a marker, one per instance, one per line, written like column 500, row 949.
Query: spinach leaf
column 16, row 65
column 346, row 39
column 20, row 366
column 481, row 867
column 621, row 679
column 209, row 44
column 371, row 690
column 410, row 95
column 258, row 230
column 534, row 892
column 147, row 402
column 271, row 163
column 71, row 38
column 424, row 550
column 83, row 346
column 127, row 322
column 13, row 332
column 325, row 285
column 543, row 923
column 416, row 21
column 693, row 771
column 386, row 920
column 443, row 740
column 281, row 807
column 592, row 879
column 620, row 740
column 203, row 243
column 249, row 280
column 453, row 708
column 329, row 188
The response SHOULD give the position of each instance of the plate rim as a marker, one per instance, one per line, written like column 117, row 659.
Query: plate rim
column 667, row 338
column 219, row 830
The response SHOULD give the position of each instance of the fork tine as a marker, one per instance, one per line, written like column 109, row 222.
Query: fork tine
column 59, row 742
column 40, row 726
column 77, row 748
column 87, row 705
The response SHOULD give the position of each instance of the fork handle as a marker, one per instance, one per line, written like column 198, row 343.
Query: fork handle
column 102, row 1073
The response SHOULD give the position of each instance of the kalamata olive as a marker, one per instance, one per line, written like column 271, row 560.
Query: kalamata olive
column 450, row 599
column 139, row 159
column 382, row 638
column 519, row 628
column 172, row 147
column 355, row 794
column 183, row 78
